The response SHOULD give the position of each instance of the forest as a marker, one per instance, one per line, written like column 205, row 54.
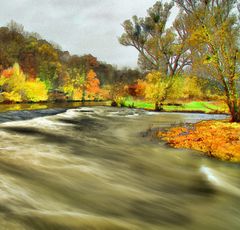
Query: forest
column 34, row 70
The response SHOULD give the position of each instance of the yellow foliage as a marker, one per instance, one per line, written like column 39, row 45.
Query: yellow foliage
column 178, row 87
column 2, row 80
column 191, row 89
column 77, row 94
column 12, row 81
column 11, row 96
column 15, row 87
column 219, row 139
column 155, row 86
column 68, row 89
column 17, row 79
column 48, row 51
column 35, row 91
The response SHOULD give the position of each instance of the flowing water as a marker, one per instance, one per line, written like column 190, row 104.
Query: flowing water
column 97, row 168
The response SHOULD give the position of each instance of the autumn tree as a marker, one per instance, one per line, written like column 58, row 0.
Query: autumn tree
column 92, row 85
column 183, row 87
column 215, row 35
column 15, row 86
column 75, row 84
column 11, row 43
column 160, row 48
column 12, row 82
column 156, row 88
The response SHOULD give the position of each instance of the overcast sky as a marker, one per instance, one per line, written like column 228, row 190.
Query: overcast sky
column 79, row 26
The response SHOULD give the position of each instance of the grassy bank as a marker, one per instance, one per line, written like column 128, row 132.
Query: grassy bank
column 194, row 106
column 219, row 139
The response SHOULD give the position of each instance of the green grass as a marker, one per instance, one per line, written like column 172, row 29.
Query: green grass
column 203, row 106
column 194, row 106
column 139, row 104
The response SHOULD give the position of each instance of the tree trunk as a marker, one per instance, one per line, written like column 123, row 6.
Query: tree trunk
column 234, row 111
column 235, row 115
column 158, row 106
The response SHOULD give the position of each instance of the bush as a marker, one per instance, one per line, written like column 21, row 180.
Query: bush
column 35, row 91
column 16, row 88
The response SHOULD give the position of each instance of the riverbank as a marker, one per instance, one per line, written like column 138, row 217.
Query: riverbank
column 218, row 139
column 47, row 105
column 209, row 107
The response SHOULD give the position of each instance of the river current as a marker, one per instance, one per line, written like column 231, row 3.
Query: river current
column 99, row 168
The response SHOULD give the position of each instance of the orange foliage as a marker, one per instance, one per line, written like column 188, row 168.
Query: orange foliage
column 137, row 89
column 132, row 89
column 92, row 84
column 8, row 72
column 104, row 94
column 219, row 139
column 140, row 87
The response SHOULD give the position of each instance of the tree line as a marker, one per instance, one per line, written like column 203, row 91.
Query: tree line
column 34, row 69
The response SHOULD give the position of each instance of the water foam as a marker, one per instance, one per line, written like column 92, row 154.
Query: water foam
column 217, row 179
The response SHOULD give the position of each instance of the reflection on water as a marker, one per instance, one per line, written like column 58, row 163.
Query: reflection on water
column 45, row 105
column 94, row 168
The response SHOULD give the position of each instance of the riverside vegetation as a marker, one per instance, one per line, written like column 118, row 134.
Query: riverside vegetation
column 219, row 139
column 196, row 57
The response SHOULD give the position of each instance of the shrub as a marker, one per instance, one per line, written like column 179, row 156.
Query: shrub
column 35, row 91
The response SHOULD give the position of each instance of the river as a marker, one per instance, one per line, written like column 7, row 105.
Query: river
column 98, row 168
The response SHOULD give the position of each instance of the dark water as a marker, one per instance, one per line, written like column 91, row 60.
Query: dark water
column 96, row 168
